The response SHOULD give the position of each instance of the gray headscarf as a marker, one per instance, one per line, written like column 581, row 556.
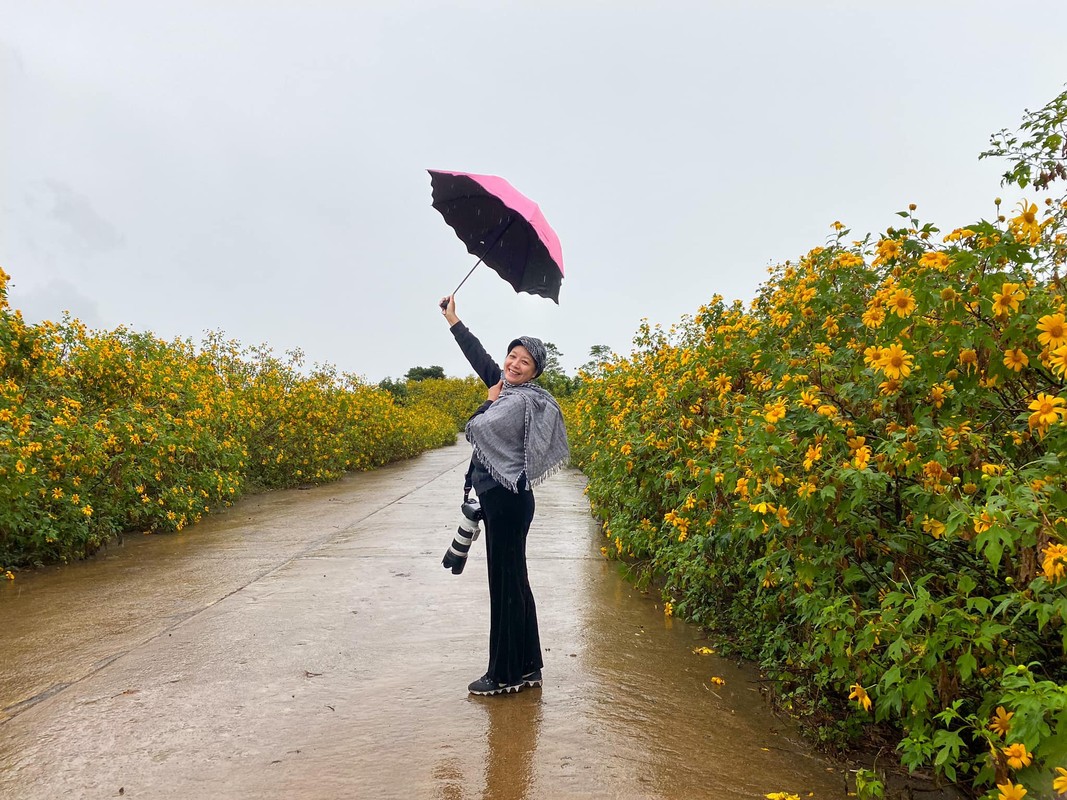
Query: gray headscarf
column 536, row 349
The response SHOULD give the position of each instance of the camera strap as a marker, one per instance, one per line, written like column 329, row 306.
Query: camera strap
column 468, row 482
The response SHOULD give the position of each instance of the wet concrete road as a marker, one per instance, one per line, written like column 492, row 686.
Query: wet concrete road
column 308, row 644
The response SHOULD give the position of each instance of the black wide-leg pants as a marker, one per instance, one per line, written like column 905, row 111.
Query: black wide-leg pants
column 514, row 643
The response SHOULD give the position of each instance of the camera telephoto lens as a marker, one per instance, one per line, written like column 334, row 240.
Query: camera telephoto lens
column 456, row 556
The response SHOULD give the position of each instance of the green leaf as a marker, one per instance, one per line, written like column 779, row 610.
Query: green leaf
column 966, row 664
column 896, row 652
column 991, row 544
column 979, row 605
column 965, row 584
column 919, row 692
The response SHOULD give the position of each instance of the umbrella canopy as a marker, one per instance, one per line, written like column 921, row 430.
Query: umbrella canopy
column 504, row 228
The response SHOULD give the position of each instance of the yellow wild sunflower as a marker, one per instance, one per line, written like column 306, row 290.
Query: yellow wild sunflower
column 959, row 235
column 1025, row 227
column 901, row 303
column 984, row 522
column 1054, row 562
column 1001, row 723
column 934, row 527
column 1053, row 330
column 889, row 387
column 895, row 362
column 859, row 694
column 873, row 317
column 1017, row 755
column 1057, row 360
column 774, row 412
column 1015, row 359
column 1011, row 791
column 1048, row 410
column 1059, row 783
column 950, row 295
column 862, row 458
column 1007, row 300
column 968, row 358
column 935, row 260
column 938, row 393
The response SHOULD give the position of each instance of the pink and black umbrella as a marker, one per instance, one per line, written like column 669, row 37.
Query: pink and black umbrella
column 503, row 227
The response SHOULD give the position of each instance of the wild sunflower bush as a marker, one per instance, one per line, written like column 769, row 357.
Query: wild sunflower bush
column 862, row 479
column 456, row 397
column 104, row 432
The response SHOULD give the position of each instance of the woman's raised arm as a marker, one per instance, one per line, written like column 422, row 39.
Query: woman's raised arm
column 484, row 365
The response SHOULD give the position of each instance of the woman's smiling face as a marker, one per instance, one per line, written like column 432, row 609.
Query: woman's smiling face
column 519, row 366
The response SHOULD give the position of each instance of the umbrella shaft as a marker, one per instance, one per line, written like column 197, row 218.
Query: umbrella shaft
column 492, row 244
column 479, row 261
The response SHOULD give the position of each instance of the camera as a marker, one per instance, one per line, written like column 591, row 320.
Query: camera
column 469, row 527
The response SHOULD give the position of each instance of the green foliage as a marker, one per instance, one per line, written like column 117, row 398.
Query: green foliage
column 599, row 356
column 398, row 389
column 425, row 373
column 558, row 383
column 552, row 358
column 869, row 785
column 553, row 378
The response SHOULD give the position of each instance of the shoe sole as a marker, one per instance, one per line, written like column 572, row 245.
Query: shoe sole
column 533, row 684
column 502, row 690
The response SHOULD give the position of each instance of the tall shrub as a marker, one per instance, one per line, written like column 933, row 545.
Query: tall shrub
column 110, row 431
column 863, row 478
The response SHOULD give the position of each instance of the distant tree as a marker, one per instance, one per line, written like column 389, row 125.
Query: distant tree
column 552, row 377
column 552, row 360
column 599, row 355
column 425, row 373
column 1037, row 152
column 398, row 389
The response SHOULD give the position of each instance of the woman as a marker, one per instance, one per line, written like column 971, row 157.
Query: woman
column 518, row 440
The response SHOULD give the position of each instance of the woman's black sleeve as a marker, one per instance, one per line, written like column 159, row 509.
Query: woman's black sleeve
column 484, row 366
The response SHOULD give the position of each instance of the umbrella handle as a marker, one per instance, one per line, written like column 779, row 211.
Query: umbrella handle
column 444, row 303
column 492, row 244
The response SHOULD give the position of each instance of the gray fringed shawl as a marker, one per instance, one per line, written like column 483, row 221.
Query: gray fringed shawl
column 520, row 434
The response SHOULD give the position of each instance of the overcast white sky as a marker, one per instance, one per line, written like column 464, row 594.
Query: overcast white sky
column 259, row 167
